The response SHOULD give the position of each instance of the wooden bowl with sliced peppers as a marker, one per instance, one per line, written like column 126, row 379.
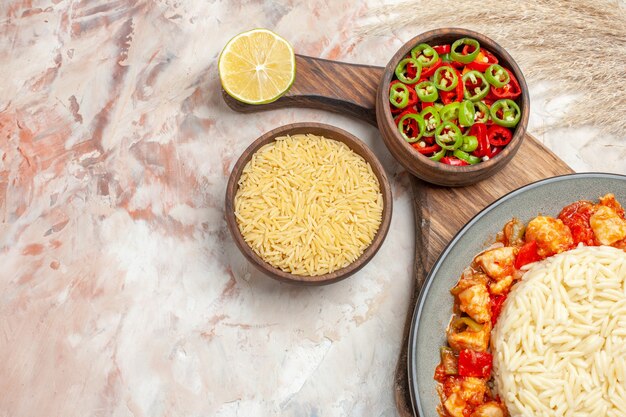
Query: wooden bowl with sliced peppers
column 452, row 106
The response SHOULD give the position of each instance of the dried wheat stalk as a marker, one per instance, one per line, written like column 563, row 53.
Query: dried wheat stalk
column 579, row 46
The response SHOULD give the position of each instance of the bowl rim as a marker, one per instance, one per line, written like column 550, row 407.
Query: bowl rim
column 330, row 132
column 500, row 52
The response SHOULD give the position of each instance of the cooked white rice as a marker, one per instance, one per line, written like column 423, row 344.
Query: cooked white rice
column 308, row 205
column 560, row 344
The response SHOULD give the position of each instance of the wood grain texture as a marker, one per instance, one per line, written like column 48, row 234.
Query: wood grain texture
column 434, row 227
column 420, row 165
column 329, row 132
column 347, row 89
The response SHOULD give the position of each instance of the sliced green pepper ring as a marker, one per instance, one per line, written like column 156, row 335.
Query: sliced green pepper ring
column 450, row 111
column 419, row 123
column 437, row 156
column 466, row 113
column 482, row 110
column 511, row 113
column 432, row 119
column 470, row 144
column 446, row 78
column 425, row 54
column 464, row 156
column 448, row 136
column 497, row 76
column 399, row 95
column 458, row 56
column 426, row 91
column 477, row 91
column 401, row 70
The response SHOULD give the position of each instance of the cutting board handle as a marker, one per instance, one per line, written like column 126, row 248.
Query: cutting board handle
column 349, row 89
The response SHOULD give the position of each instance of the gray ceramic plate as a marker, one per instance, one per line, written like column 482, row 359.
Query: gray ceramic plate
column 434, row 306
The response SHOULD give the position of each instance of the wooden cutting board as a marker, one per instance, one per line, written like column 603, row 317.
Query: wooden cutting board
column 439, row 211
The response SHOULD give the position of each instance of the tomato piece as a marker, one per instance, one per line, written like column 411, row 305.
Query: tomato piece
column 442, row 49
column 496, row 304
column 527, row 254
column 476, row 364
column 576, row 216
column 440, row 374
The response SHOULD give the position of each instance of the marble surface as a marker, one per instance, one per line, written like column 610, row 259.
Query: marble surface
column 121, row 291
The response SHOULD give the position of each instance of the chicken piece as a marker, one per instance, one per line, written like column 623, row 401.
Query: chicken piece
column 473, row 390
column 608, row 227
column 469, row 279
column 490, row 409
column 475, row 302
column 502, row 286
column 468, row 339
column 498, row 263
column 466, row 391
column 610, row 201
column 455, row 405
column 551, row 235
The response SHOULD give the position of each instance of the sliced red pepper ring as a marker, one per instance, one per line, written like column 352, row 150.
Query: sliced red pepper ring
column 498, row 136
column 479, row 130
column 483, row 60
column 451, row 160
column 428, row 71
column 411, row 110
column 425, row 149
column 442, row 49
column 512, row 90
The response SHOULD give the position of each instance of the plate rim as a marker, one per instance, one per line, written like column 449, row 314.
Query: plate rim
column 419, row 305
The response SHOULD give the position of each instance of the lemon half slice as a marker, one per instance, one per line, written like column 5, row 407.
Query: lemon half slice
column 257, row 67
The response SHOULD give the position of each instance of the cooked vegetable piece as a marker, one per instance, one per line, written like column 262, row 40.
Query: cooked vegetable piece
column 476, row 364
column 449, row 361
column 497, row 301
column 527, row 254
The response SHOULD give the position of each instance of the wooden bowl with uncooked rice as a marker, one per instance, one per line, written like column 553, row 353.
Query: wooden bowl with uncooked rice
column 308, row 203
